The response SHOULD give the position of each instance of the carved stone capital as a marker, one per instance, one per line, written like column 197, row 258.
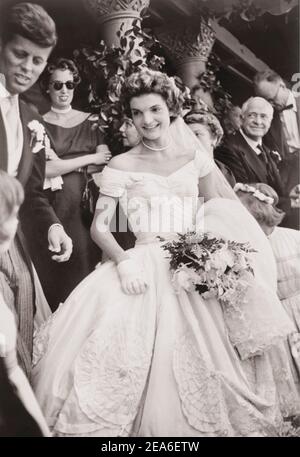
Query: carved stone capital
column 112, row 14
column 187, row 41
column 104, row 10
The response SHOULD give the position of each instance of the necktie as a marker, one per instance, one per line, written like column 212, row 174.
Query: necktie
column 272, row 174
column 262, row 155
column 287, row 107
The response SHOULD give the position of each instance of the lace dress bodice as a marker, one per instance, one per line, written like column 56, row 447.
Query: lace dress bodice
column 154, row 204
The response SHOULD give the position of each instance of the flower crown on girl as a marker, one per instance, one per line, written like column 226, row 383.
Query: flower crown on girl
column 255, row 192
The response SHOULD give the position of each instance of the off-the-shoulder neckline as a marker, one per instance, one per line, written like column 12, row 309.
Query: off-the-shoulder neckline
column 155, row 174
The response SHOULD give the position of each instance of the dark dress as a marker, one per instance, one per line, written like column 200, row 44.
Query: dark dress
column 59, row 279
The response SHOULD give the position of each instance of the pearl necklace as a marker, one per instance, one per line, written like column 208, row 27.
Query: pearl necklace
column 61, row 111
column 156, row 149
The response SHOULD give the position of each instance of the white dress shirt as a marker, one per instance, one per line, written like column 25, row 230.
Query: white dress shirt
column 288, row 118
column 252, row 143
column 9, row 105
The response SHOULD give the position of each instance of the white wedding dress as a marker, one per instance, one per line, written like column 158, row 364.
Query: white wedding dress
column 161, row 364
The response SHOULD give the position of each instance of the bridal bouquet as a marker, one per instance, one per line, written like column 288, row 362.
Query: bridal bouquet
column 213, row 266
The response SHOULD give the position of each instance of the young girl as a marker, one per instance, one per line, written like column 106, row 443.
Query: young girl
column 261, row 201
column 20, row 414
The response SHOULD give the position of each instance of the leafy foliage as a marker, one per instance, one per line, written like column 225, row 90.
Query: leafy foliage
column 209, row 82
column 247, row 9
column 106, row 68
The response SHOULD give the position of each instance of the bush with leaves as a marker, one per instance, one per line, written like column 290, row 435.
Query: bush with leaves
column 106, row 68
column 209, row 82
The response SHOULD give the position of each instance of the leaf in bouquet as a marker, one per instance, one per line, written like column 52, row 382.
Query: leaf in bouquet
column 201, row 288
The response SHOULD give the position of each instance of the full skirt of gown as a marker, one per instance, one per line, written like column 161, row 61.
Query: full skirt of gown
column 161, row 363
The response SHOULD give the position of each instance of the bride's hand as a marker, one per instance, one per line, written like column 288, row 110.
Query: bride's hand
column 131, row 277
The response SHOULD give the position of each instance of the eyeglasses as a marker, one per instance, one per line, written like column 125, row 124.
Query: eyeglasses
column 58, row 85
column 262, row 116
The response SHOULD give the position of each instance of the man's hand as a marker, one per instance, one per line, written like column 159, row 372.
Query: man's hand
column 60, row 243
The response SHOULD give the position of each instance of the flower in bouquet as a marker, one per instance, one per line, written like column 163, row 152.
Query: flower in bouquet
column 210, row 265
column 183, row 278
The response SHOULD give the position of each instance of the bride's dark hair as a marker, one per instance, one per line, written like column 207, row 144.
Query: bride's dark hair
column 148, row 81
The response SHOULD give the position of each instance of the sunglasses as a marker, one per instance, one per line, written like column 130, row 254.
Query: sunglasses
column 58, row 85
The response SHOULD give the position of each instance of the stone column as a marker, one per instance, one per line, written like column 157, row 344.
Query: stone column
column 188, row 46
column 110, row 14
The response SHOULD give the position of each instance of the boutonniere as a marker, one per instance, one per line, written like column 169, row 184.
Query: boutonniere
column 276, row 153
column 39, row 139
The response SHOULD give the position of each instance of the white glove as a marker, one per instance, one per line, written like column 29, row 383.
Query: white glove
column 53, row 183
column 131, row 277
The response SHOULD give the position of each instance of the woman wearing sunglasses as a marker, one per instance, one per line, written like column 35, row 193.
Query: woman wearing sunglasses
column 75, row 145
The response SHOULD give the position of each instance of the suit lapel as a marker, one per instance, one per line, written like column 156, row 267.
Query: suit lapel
column 25, row 165
column 253, row 160
column 3, row 145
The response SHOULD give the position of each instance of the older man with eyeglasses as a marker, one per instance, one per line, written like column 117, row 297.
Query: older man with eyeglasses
column 246, row 153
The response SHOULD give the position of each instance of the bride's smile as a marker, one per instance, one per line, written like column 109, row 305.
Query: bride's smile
column 151, row 117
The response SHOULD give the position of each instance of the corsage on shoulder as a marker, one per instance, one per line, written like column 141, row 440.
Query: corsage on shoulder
column 39, row 141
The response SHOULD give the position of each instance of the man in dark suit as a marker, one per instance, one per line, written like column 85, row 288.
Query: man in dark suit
column 245, row 153
column 284, row 133
column 28, row 36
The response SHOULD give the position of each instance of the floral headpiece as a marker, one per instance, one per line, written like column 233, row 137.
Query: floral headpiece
column 255, row 192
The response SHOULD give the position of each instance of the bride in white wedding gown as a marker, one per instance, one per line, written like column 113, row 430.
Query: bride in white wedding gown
column 127, row 356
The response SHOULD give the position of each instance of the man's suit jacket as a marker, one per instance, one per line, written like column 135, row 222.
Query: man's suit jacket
column 275, row 138
column 36, row 213
column 246, row 165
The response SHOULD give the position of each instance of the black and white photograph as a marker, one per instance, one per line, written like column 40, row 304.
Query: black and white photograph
column 149, row 221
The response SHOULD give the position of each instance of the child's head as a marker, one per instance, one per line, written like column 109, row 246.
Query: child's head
column 260, row 200
column 11, row 197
